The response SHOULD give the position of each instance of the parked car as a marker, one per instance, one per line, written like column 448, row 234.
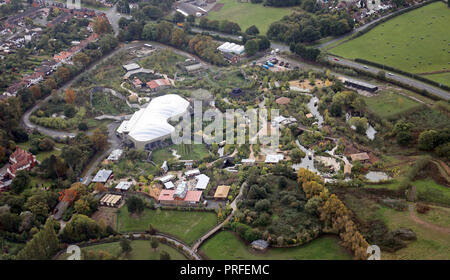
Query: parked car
column 335, row 59
column 390, row 74
column 365, row 67
column 282, row 63
column 286, row 65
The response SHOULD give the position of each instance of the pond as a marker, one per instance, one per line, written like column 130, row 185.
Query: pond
column 376, row 176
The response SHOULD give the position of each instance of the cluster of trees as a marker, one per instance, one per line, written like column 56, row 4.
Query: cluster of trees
column 82, row 228
column 224, row 26
column 333, row 213
column 269, row 195
column 259, row 43
column 151, row 9
column 279, row 3
column 307, row 28
column 166, row 33
column 345, row 100
column 437, row 141
column 309, row 53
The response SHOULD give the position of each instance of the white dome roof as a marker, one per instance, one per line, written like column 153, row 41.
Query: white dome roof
column 151, row 124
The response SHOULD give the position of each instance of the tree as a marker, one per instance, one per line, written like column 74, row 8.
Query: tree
column 37, row 204
column 70, row 96
column 297, row 155
column 135, row 204
column 100, row 187
column 20, row 182
column 252, row 30
column 360, row 124
column 82, row 207
column 35, row 91
column 99, row 139
column 164, row 256
column 62, row 74
column 154, row 243
column 251, row 47
column 125, row 244
column 101, row 26
column 178, row 17
column 190, row 18
column 427, row 140
column 81, row 59
column 43, row 245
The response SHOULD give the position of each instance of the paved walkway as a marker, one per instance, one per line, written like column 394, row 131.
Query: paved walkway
column 219, row 226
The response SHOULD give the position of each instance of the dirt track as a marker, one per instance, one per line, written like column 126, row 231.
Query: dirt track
column 413, row 216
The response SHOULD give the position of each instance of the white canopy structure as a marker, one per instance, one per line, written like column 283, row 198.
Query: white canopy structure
column 150, row 124
column 231, row 48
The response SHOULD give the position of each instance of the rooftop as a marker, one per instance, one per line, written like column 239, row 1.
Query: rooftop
column 202, row 181
column 222, row 192
column 102, row 176
column 359, row 157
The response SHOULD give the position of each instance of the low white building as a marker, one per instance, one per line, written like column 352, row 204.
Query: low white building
column 231, row 48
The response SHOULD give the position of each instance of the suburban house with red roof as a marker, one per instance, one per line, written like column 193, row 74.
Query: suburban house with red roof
column 155, row 85
column 20, row 160
column 188, row 198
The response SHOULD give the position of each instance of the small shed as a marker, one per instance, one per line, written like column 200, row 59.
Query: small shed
column 102, row 176
column 363, row 157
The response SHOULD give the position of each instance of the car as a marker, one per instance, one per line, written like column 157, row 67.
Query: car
column 335, row 59
column 118, row 14
column 296, row 67
column 286, row 65
column 282, row 63
column 390, row 74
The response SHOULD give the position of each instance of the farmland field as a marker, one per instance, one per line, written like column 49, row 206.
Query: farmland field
column 387, row 104
column 417, row 41
column 226, row 246
column 443, row 78
column 248, row 14
column 185, row 225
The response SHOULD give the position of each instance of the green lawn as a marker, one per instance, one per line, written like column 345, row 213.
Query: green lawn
column 195, row 152
column 430, row 244
column 430, row 191
column 43, row 155
column 443, row 78
column 227, row 246
column 388, row 104
column 248, row 14
column 188, row 226
column 141, row 251
column 416, row 41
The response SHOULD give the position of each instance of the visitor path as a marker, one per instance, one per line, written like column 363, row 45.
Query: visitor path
column 413, row 216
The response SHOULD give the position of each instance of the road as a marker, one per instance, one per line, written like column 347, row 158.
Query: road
column 406, row 80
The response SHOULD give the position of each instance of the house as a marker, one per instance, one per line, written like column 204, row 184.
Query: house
column 115, row 155
column 275, row 158
column 63, row 56
column 169, row 185
column 186, row 198
column 102, row 176
column 158, row 84
column 362, row 157
column 283, row 100
column 231, row 57
column 137, row 83
column 111, row 200
column 248, row 161
column 191, row 173
column 202, row 182
column 166, row 178
column 123, row 186
column 260, row 245
column 189, row 9
column 222, row 193
column 20, row 160
column 131, row 66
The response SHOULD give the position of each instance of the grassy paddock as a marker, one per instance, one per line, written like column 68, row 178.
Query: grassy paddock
column 387, row 104
column 185, row 225
column 416, row 41
column 248, row 14
column 443, row 78
column 227, row 246
column 141, row 251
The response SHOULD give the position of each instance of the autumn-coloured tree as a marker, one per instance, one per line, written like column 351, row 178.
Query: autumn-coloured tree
column 101, row 25
column 68, row 195
column 81, row 59
column 70, row 96
column 80, row 188
column 35, row 91
column 50, row 84
column 62, row 74
column 99, row 139
column 100, row 187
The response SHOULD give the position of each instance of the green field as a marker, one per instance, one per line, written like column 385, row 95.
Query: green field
column 387, row 104
column 417, row 41
column 248, row 14
column 141, row 251
column 185, row 225
column 227, row 246
column 443, row 78
column 196, row 151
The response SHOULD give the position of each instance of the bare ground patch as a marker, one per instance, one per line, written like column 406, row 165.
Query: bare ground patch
column 217, row 7
column 107, row 214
